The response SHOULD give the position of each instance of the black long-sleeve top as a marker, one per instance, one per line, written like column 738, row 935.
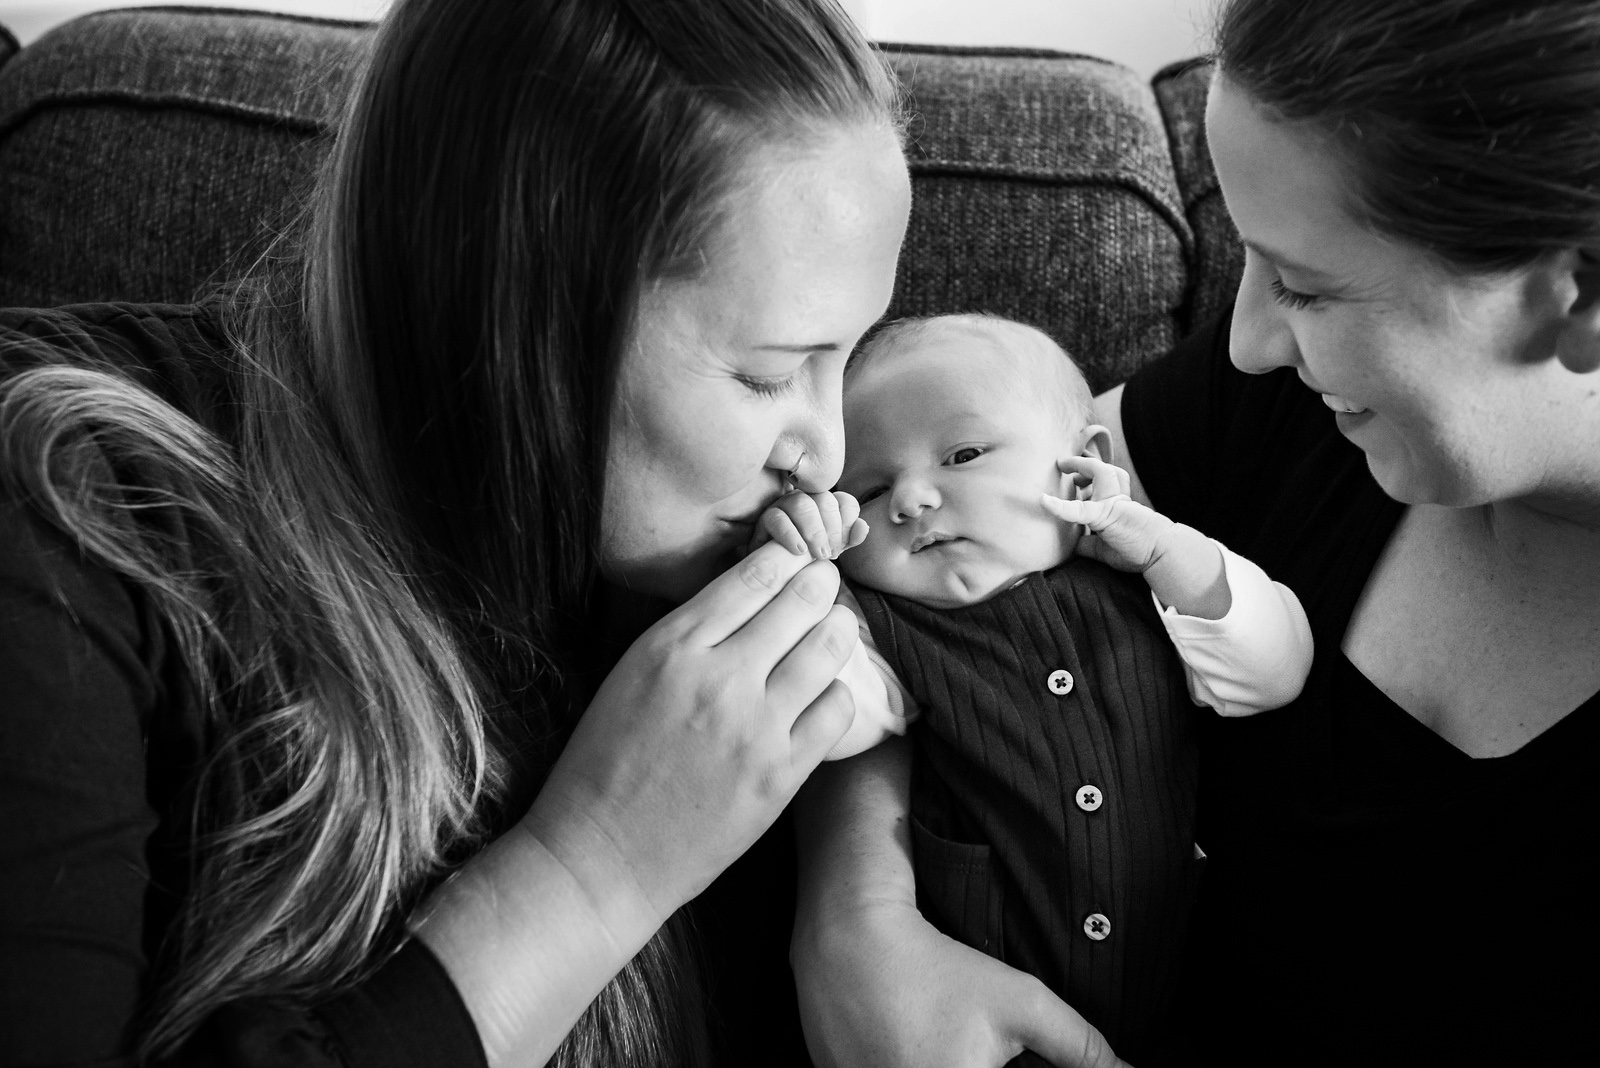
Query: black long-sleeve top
column 97, row 742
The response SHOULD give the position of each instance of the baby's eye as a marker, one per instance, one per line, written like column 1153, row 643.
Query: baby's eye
column 964, row 456
column 869, row 495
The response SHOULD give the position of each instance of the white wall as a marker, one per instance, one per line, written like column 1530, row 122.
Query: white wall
column 1144, row 34
column 1141, row 33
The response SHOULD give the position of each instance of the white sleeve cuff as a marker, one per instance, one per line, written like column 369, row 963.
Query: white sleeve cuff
column 883, row 706
column 1252, row 659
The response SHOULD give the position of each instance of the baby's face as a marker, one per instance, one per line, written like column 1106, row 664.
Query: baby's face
column 948, row 459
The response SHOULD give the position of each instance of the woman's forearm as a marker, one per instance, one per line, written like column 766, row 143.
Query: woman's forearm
column 531, row 930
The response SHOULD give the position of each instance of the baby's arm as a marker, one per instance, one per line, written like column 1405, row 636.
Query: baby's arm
column 824, row 525
column 1244, row 639
column 883, row 706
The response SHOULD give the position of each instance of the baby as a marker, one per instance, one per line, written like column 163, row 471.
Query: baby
column 1042, row 628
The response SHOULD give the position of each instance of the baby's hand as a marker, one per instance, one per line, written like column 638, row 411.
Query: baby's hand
column 1121, row 532
column 822, row 525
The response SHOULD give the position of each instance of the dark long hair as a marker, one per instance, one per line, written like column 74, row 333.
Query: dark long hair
column 380, row 571
column 1472, row 127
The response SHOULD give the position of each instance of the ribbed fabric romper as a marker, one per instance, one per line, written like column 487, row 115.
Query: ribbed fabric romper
column 1053, row 786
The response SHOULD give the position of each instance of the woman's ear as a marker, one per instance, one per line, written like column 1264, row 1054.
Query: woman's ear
column 1578, row 335
column 1095, row 440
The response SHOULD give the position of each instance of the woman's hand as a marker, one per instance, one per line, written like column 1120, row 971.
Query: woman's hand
column 702, row 732
column 879, row 986
column 693, row 745
column 903, row 994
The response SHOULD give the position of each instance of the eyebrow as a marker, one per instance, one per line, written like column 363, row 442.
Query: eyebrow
column 1285, row 261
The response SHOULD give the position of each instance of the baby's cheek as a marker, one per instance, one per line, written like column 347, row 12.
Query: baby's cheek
column 853, row 561
column 867, row 562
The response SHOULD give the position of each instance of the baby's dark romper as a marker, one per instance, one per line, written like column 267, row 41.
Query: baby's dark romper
column 1053, row 787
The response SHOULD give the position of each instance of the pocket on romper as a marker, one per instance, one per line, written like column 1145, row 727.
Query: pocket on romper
column 956, row 890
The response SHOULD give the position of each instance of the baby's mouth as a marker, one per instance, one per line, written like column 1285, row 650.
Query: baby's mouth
column 932, row 537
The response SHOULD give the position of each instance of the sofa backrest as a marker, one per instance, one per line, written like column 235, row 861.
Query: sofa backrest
column 145, row 154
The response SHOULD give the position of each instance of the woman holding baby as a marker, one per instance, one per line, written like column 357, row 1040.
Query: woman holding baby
column 423, row 557
column 1401, row 422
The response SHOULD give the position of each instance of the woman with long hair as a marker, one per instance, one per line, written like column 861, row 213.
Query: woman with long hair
column 1400, row 420
column 422, row 555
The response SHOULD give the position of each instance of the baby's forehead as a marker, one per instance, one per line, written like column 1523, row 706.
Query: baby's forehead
column 998, row 359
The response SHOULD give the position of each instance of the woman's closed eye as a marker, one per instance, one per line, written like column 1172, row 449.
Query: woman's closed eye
column 767, row 387
column 1291, row 298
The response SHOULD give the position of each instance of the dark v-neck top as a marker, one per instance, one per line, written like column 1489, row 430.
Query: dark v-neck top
column 1373, row 894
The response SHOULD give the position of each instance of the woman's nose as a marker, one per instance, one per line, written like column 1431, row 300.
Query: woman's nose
column 910, row 496
column 818, row 436
column 1260, row 338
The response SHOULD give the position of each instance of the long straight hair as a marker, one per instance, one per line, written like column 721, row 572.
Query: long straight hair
column 378, row 558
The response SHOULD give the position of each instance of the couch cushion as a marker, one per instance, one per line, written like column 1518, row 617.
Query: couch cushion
column 1044, row 191
column 144, row 153
column 1218, row 254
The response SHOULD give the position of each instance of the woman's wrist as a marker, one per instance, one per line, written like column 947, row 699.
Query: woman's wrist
column 530, row 931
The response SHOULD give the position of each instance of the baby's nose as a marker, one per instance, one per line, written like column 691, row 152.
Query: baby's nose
column 912, row 497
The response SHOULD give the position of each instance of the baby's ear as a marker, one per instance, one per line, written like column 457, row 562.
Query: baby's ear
column 1095, row 440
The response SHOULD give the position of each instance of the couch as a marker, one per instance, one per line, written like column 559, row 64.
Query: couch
column 146, row 154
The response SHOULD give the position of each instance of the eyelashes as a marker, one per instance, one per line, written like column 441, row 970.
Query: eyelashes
column 1291, row 298
column 767, row 387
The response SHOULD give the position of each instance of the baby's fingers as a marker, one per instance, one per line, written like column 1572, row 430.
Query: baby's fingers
column 827, row 542
column 776, row 525
column 853, row 529
column 819, row 525
column 1094, row 514
column 1105, row 480
column 814, row 523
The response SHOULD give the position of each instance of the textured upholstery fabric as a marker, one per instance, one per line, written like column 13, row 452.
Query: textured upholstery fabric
column 144, row 154
column 1045, row 192
column 8, row 45
column 147, row 153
